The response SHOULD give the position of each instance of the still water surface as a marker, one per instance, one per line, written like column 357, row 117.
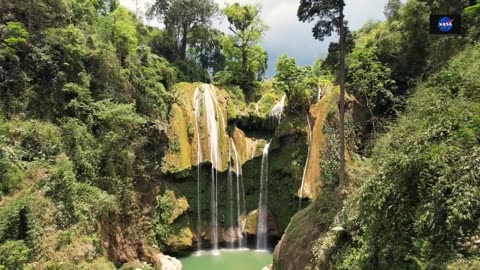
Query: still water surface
column 228, row 260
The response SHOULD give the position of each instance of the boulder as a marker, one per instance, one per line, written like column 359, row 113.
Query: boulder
column 181, row 241
column 251, row 223
column 165, row 262
column 232, row 235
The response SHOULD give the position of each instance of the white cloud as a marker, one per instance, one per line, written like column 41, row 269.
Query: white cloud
column 287, row 34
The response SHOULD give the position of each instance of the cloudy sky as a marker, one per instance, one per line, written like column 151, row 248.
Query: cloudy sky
column 287, row 34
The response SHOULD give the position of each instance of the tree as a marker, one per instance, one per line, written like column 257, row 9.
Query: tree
column 245, row 58
column 392, row 9
column 297, row 82
column 206, row 46
column 181, row 16
column 330, row 19
column 14, row 41
column 332, row 61
column 124, row 33
column 289, row 74
column 371, row 79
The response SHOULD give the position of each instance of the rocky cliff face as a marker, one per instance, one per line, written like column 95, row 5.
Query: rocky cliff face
column 248, row 129
column 316, row 225
column 189, row 145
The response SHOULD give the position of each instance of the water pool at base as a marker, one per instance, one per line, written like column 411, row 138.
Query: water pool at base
column 228, row 260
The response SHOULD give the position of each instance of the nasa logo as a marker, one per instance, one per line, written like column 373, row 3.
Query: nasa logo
column 445, row 24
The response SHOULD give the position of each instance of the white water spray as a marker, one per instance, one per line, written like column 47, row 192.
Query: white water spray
column 211, row 108
column 230, row 197
column 277, row 110
column 262, row 219
column 196, row 105
column 240, row 197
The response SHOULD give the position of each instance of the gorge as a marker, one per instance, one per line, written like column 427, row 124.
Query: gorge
column 227, row 153
column 127, row 144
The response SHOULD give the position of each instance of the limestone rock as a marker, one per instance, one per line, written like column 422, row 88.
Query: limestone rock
column 181, row 241
column 232, row 235
column 183, row 149
column 248, row 148
column 165, row 262
column 251, row 223
column 181, row 205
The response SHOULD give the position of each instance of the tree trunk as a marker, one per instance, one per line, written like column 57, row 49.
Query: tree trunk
column 183, row 52
column 341, row 172
column 244, row 60
column 372, row 116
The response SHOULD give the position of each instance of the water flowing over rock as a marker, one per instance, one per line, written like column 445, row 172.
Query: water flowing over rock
column 300, row 195
column 277, row 110
column 215, row 121
column 311, row 180
column 196, row 102
column 241, row 209
column 205, row 147
column 251, row 221
column 262, row 231
column 247, row 148
column 231, row 225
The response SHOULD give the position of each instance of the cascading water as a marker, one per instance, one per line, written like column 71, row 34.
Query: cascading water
column 300, row 195
column 319, row 93
column 211, row 107
column 262, row 219
column 277, row 110
column 212, row 116
column 230, row 198
column 196, row 103
column 240, row 197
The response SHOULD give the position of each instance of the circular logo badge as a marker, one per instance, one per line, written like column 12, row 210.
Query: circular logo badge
column 445, row 24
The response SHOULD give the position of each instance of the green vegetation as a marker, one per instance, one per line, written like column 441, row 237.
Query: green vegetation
column 413, row 203
column 181, row 18
column 246, row 60
column 97, row 150
column 299, row 83
column 423, row 194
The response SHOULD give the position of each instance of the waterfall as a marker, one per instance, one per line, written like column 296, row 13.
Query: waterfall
column 230, row 197
column 211, row 108
column 277, row 110
column 240, row 197
column 262, row 218
column 300, row 195
column 319, row 93
column 197, row 103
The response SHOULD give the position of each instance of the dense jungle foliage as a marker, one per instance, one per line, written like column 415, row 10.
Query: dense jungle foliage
column 418, row 198
column 86, row 92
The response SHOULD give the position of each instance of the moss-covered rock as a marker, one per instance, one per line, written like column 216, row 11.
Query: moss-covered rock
column 294, row 251
column 252, row 220
column 318, row 115
column 180, row 241
column 181, row 206
column 185, row 132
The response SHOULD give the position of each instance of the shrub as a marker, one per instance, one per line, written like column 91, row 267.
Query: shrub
column 15, row 254
column 38, row 140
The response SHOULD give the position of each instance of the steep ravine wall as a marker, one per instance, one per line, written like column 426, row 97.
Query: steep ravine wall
column 312, row 232
column 287, row 158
